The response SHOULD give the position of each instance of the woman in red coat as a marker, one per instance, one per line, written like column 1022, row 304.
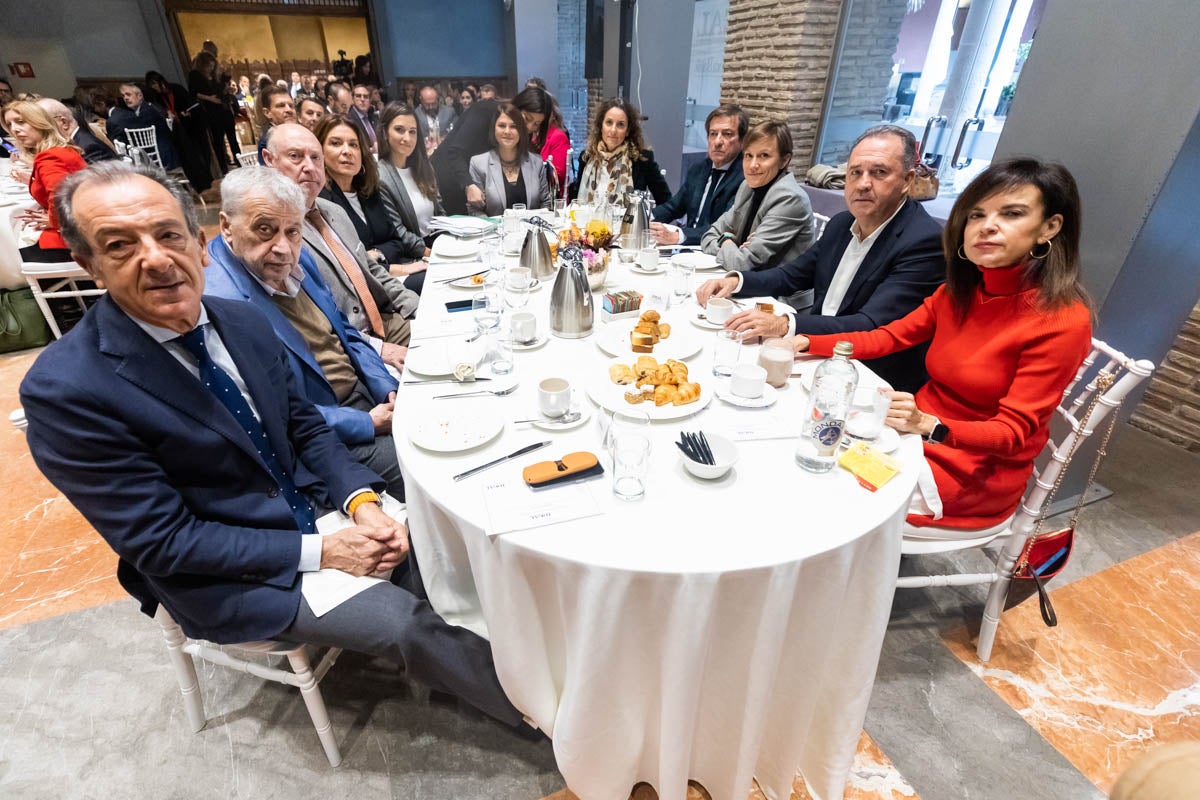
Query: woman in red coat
column 1006, row 334
column 54, row 158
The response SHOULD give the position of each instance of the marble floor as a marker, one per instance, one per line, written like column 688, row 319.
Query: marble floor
column 92, row 710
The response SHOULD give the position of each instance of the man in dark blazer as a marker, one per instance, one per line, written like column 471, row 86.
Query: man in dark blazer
column 710, row 186
column 177, row 429
column 137, row 113
column 434, row 118
column 93, row 149
column 334, row 365
column 872, row 265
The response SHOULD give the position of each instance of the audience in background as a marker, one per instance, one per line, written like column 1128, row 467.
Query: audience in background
column 616, row 159
column 872, row 265
column 257, row 258
column 375, row 302
column 710, row 186
column 433, row 118
column 309, row 112
column 276, row 107
column 509, row 174
column 487, row 92
column 137, row 113
column 89, row 144
column 554, row 142
column 340, row 98
column 770, row 221
column 53, row 158
column 207, row 87
column 363, row 115
column 408, row 186
column 294, row 85
column 465, row 98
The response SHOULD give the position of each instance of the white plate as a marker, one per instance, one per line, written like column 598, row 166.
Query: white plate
column 547, row 424
column 640, row 270
column 696, row 260
column 447, row 429
column 611, row 396
column 768, row 397
column 465, row 283
column 449, row 247
column 683, row 343
column 439, row 358
column 887, row 441
column 534, row 345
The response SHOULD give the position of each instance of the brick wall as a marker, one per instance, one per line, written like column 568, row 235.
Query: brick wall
column 1170, row 409
column 595, row 96
column 572, row 86
column 777, row 55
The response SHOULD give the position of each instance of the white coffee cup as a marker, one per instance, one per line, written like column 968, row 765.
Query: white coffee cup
column 554, row 397
column 747, row 381
column 648, row 258
column 718, row 309
column 524, row 327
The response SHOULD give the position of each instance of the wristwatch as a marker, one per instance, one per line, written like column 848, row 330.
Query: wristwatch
column 938, row 434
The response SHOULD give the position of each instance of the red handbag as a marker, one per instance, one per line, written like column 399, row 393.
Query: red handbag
column 1045, row 554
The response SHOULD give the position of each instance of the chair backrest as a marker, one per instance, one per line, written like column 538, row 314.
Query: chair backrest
column 145, row 140
column 1102, row 360
column 248, row 159
column 819, row 223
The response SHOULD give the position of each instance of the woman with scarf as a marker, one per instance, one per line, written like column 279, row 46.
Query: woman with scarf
column 770, row 221
column 616, row 159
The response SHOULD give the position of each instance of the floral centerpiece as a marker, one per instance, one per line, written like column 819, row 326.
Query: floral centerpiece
column 593, row 240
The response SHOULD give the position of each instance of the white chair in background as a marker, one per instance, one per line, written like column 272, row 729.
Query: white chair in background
column 248, row 159
column 1013, row 534
column 145, row 141
column 819, row 222
column 181, row 650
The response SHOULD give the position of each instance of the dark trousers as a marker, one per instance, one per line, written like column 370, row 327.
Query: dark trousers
column 380, row 455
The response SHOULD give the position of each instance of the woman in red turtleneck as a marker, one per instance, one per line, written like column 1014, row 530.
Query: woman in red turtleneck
column 1006, row 334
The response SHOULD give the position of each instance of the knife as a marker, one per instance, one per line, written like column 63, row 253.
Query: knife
column 501, row 460
column 443, row 380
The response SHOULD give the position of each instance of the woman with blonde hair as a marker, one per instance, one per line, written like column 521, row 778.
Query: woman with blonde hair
column 53, row 158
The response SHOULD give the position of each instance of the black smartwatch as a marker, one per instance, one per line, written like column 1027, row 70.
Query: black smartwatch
column 938, row 434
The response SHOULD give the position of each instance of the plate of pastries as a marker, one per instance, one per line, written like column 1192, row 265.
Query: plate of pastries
column 651, row 334
column 662, row 389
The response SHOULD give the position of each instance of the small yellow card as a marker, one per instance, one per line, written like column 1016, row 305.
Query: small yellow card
column 871, row 467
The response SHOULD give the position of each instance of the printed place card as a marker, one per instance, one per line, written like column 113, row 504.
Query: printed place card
column 513, row 506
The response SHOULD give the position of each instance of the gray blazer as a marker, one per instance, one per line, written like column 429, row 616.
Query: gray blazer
column 488, row 175
column 782, row 229
column 383, row 285
column 400, row 209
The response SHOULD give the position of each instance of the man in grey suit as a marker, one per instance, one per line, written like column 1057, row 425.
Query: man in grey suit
column 434, row 118
column 375, row 302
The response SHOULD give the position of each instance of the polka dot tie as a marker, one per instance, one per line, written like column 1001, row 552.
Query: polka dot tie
column 217, row 381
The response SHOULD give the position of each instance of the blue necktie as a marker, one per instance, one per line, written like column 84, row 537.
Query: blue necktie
column 220, row 384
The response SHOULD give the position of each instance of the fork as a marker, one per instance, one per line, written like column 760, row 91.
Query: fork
column 446, row 336
column 493, row 392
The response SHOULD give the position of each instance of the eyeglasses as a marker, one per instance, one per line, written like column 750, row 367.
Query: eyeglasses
column 358, row 96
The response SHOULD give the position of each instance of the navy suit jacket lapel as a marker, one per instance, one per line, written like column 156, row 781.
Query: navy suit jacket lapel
column 879, row 254
column 144, row 363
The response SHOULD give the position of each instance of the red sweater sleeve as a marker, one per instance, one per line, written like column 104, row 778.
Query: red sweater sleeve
column 556, row 146
column 49, row 169
column 908, row 331
column 1057, row 345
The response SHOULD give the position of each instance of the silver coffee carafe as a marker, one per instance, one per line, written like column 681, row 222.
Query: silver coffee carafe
column 535, row 254
column 571, row 307
column 637, row 213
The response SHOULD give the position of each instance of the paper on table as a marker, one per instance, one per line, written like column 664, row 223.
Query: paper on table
column 751, row 425
column 513, row 506
column 460, row 324
column 327, row 589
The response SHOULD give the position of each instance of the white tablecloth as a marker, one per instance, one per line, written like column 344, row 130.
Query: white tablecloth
column 717, row 631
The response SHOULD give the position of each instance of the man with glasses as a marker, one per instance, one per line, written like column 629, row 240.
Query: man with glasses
column 363, row 115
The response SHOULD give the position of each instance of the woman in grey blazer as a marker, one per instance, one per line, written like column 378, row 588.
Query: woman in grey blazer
column 770, row 221
column 511, row 172
column 406, row 179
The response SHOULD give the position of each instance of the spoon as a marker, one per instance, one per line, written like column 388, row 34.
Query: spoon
column 494, row 392
column 565, row 419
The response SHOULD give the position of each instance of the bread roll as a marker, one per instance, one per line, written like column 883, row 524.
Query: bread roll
column 621, row 374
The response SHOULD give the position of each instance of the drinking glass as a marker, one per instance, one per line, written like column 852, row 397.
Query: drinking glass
column 560, row 207
column 681, row 281
column 489, row 251
column 485, row 307
column 868, row 410
column 647, row 241
column 727, row 351
column 627, row 421
column 630, row 244
column 519, row 207
column 777, row 356
column 500, row 350
column 516, row 287
column 631, row 462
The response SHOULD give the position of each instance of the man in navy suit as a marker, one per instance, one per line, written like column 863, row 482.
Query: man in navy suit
column 711, row 185
column 872, row 265
column 177, row 428
column 137, row 113
column 258, row 259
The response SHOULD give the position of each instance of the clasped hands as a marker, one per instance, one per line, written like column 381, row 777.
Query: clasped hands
column 375, row 544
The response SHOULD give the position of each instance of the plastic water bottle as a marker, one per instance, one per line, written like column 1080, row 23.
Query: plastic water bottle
column 828, row 407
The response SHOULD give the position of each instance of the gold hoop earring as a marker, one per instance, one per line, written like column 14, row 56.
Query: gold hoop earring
column 961, row 254
column 1049, row 246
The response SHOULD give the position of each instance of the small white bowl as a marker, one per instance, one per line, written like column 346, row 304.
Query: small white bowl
column 724, row 453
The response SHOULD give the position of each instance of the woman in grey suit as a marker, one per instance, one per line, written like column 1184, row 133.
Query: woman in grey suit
column 770, row 222
column 406, row 179
column 511, row 172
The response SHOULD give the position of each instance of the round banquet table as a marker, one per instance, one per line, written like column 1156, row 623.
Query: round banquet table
column 713, row 630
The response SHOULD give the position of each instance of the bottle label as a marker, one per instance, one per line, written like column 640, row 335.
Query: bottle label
column 826, row 432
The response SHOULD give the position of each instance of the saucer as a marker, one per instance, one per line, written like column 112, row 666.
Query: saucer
column 548, row 424
column 767, row 398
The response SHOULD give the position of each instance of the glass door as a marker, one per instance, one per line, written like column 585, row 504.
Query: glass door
column 706, row 68
column 950, row 79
